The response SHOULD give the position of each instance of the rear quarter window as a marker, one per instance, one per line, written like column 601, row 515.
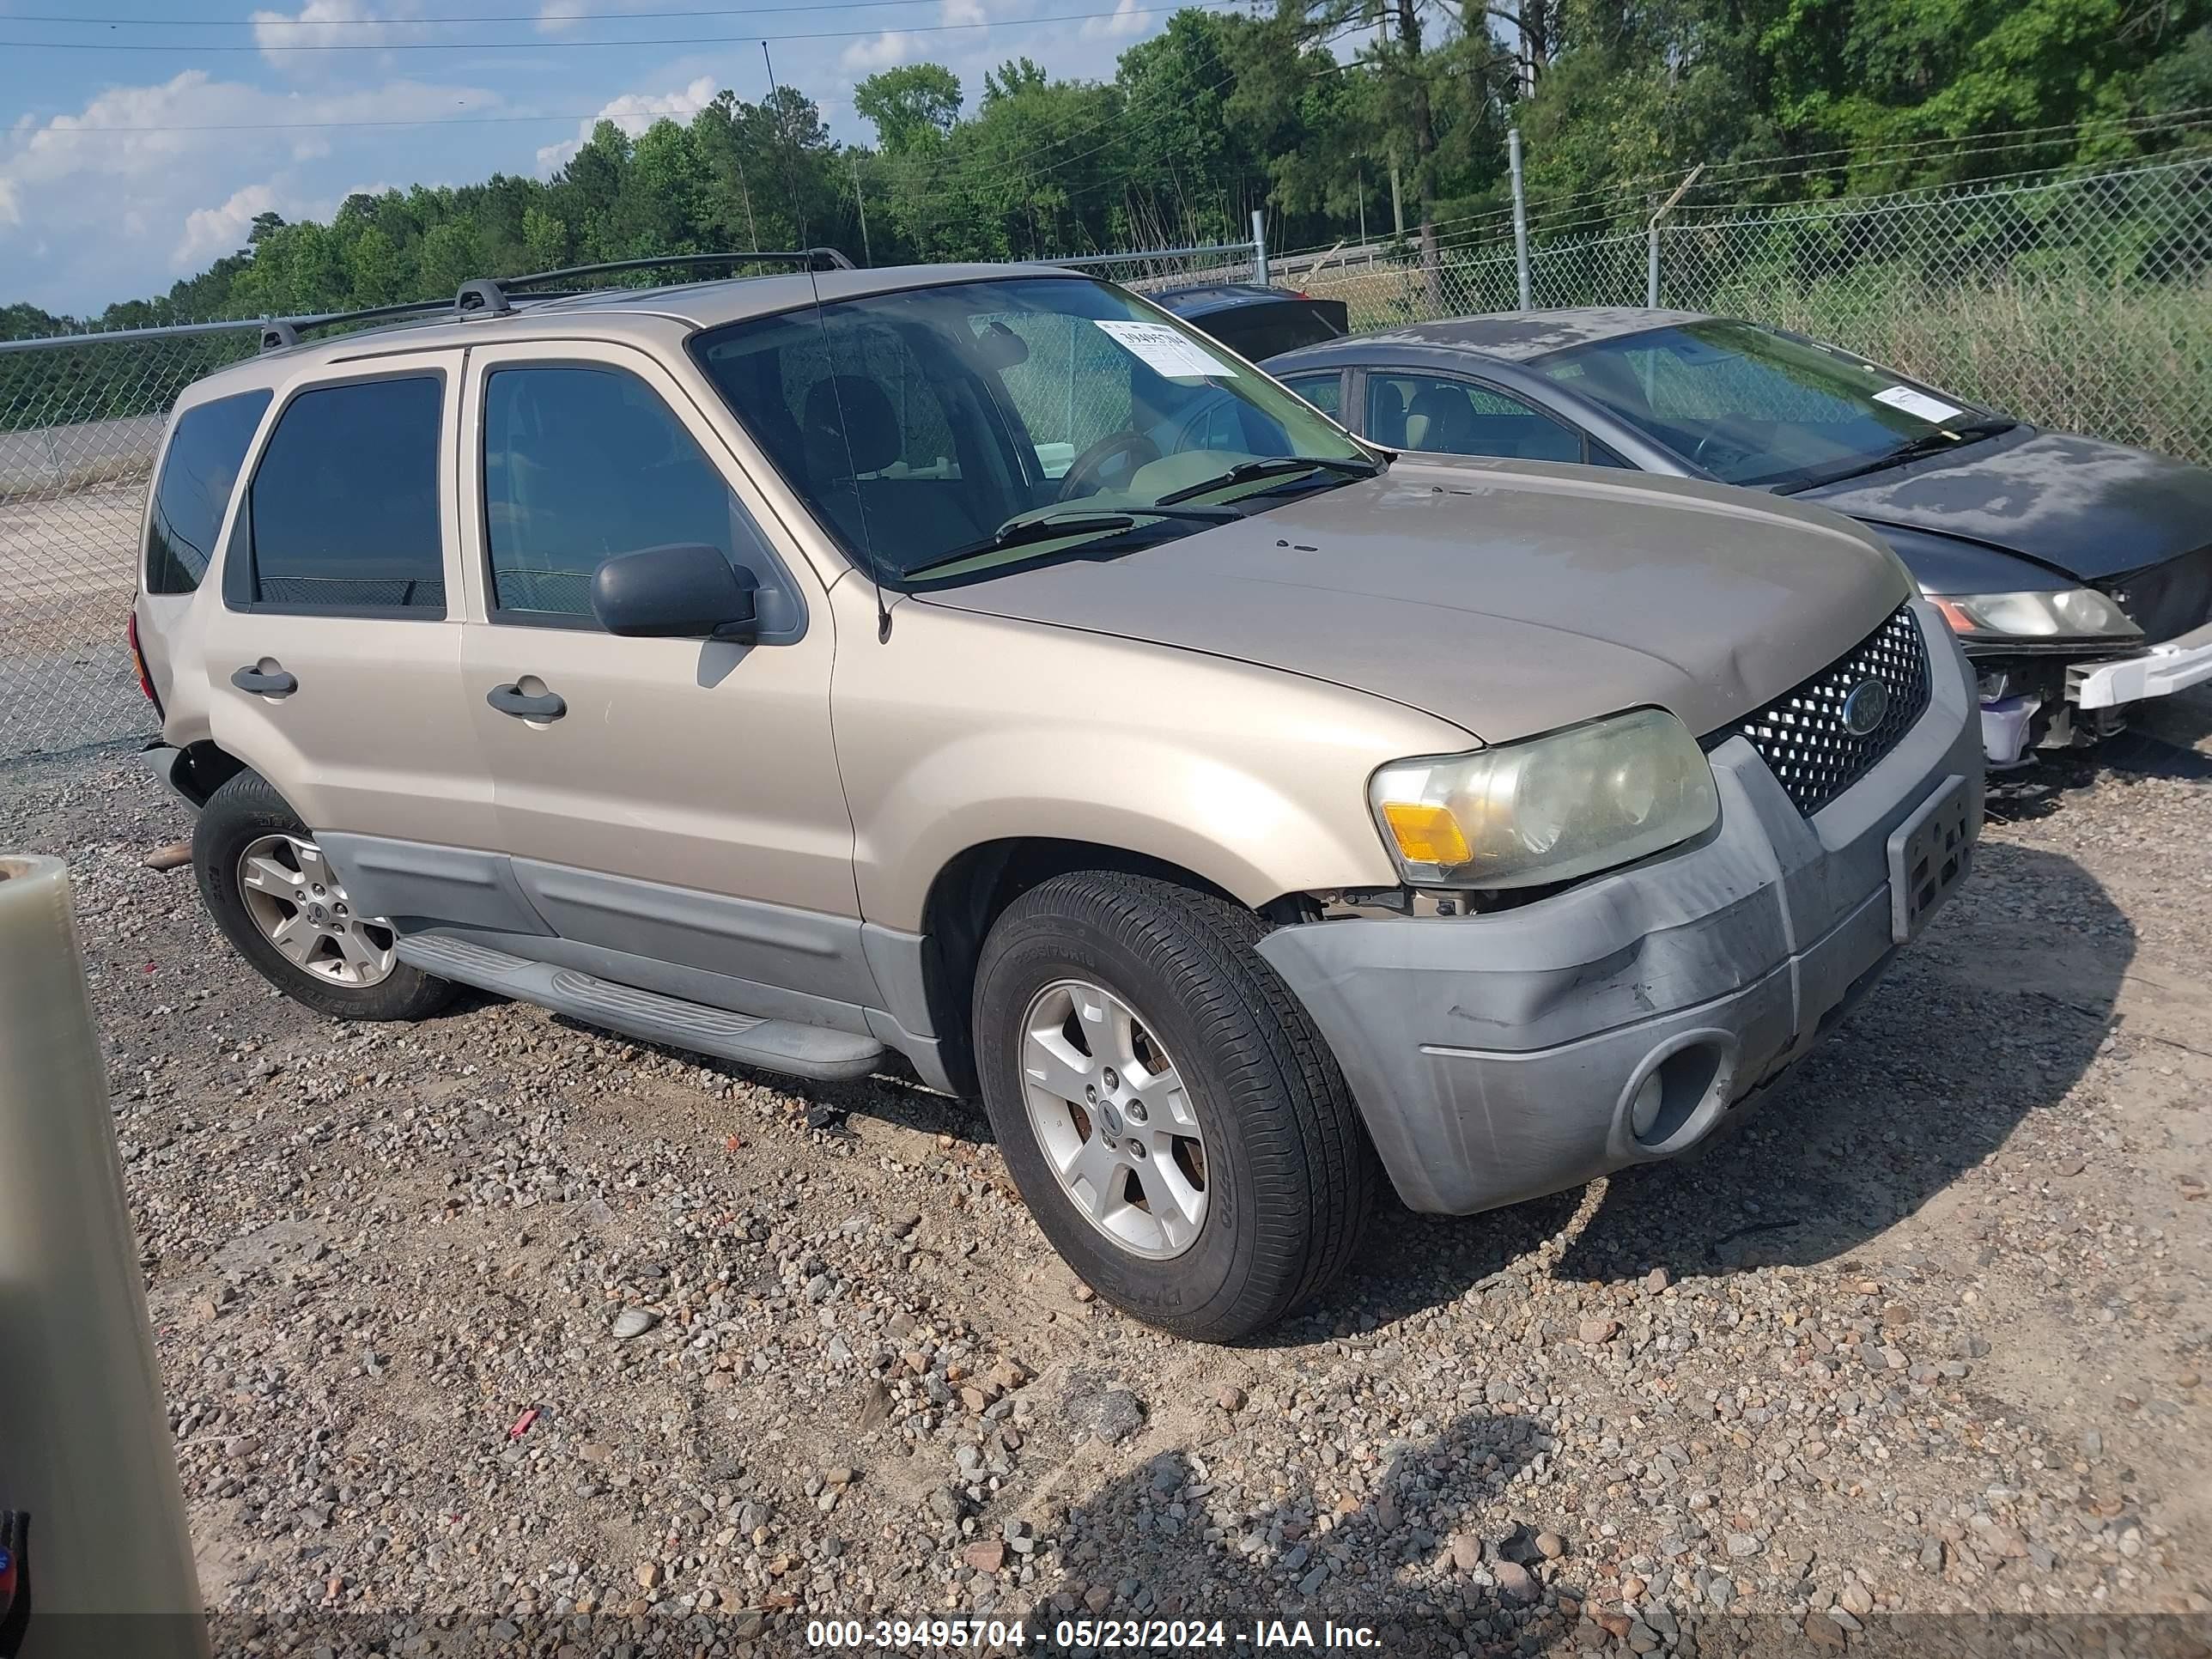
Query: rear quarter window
column 192, row 491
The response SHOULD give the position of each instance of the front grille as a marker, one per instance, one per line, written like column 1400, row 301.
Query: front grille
column 1802, row 735
column 2166, row 600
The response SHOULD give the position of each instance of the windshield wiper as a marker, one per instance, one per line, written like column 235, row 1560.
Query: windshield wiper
column 1059, row 524
column 1942, row 440
column 1273, row 467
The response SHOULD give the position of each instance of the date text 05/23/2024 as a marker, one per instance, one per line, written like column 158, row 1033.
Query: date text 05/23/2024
column 1091, row 1635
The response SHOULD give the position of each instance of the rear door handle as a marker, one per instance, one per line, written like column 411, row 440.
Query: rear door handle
column 276, row 682
column 514, row 700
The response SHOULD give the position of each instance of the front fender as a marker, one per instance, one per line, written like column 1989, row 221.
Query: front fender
column 963, row 729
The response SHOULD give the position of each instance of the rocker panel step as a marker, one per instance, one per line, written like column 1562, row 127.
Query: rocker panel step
column 774, row 1045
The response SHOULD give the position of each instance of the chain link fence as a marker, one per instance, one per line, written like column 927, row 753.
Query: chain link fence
column 80, row 423
column 2082, row 301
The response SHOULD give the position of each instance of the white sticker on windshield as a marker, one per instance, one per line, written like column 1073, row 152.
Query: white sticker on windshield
column 1164, row 351
column 1917, row 403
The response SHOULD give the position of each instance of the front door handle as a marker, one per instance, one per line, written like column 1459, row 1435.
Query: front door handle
column 272, row 683
column 514, row 700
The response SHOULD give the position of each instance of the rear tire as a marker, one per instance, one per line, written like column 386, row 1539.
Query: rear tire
column 246, row 851
column 1219, row 1178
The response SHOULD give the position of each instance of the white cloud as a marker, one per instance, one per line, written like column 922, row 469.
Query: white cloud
column 274, row 30
column 1126, row 20
column 954, row 13
column 211, row 233
column 634, row 112
column 111, row 188
column 879, row 51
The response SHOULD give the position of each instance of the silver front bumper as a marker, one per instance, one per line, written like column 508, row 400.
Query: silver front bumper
column 1497, row 1057
column 2175, row 665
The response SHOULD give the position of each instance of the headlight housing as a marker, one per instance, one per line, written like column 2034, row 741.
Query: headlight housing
column 2068, row 613
column 1548, row 809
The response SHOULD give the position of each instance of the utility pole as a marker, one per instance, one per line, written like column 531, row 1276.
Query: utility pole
column 1397, row 199
column 1651, row 254
column 1520, row 215
column 1359, row 175
column 867, row 255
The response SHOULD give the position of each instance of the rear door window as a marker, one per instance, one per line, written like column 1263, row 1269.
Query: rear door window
column 343, row 513
column 581, row 462
column 198, row 475
column 1456, row 417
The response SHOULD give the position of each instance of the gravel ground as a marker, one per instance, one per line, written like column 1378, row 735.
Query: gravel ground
column 495, row 1332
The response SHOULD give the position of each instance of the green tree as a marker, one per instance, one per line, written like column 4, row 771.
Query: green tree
column 910, row 104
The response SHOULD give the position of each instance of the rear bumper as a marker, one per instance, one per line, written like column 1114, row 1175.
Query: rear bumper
column 1499, row 1057
column 2175, row 665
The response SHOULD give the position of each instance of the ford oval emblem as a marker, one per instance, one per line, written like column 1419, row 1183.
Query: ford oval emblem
column 1864, row 705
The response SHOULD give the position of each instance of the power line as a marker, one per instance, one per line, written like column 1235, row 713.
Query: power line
column 657, row 40
column 539, row 17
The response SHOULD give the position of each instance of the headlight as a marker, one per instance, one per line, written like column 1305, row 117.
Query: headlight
column 1551, row 809
column 2071, row 612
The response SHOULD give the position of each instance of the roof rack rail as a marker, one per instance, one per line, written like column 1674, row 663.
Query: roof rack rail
column 279, row 332
column 490, row 296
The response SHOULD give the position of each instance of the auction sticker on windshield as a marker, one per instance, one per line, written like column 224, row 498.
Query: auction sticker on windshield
column 1911, row 402
column 1164, row 351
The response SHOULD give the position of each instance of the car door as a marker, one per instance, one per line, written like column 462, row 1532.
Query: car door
column 665, row 801
column 334, row 643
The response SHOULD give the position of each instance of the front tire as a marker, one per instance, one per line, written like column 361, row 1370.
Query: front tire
column 1172, row 1117
column 266, row 883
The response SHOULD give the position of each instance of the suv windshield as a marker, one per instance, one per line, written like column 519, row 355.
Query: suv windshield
column 1752, row 407
column 950, row 431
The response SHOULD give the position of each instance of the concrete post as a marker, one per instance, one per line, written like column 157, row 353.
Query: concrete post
column 1520, row 216
column 84, row 1436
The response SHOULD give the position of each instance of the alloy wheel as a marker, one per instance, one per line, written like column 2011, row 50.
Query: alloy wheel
column 297, row 902
column 1114, row 1118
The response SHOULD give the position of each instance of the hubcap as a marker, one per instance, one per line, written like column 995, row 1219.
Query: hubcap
column 295, row 900
column 1114, row 1119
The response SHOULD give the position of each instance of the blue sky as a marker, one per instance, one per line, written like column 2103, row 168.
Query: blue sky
column 115, row 181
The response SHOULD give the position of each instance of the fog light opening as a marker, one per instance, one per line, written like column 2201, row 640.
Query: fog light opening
column 1672, row 1096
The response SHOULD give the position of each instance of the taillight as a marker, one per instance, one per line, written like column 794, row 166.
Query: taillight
column 138, row 662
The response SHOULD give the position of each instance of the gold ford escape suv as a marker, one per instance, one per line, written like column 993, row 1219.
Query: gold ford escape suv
column 975, row 667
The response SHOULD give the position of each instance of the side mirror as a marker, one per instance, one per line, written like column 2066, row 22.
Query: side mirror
column 687, row 591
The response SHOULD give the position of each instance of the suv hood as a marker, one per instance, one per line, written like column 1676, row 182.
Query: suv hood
column 2079, row 507
column 1508, row 598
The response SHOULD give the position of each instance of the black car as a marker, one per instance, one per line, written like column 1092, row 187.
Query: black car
column 1256, row 322
column 2076, row 572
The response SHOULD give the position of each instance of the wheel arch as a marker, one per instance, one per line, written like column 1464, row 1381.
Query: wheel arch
column 973, row 889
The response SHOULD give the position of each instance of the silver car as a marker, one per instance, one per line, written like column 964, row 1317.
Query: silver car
column 976, row 671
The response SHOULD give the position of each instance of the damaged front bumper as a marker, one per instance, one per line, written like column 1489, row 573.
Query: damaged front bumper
column 1497, row 1057
column 2033, row 701
column 2163, row 670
